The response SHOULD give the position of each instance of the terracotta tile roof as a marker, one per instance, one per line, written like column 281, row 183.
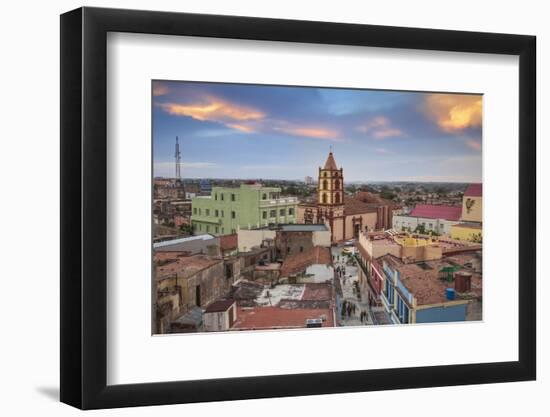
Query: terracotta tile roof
column 274, row 317
column 371, row 198
column 374, row 200
column 170, row 263
column 354, row 206
column 219, row 306
column 331, row 163
column 425, row 284
column 474, row 190
column 298, row 262
column 228, row 242
column 430, row 211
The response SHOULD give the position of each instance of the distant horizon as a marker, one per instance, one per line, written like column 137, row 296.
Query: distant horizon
column 244, row 131
column 315, row 180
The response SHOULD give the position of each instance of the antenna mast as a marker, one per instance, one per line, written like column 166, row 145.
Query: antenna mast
column 178, row 160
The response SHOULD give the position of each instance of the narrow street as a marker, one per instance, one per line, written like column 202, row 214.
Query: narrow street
column 347, row 280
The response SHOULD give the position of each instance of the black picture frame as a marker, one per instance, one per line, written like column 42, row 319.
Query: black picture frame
column 84, row 207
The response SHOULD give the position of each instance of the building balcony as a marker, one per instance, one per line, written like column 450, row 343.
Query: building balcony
column 279, row 202
column 206, row 219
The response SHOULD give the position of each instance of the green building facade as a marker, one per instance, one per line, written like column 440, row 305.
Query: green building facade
column 227, row 209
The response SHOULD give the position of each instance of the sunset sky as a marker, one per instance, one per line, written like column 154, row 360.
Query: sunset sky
column 255, row 131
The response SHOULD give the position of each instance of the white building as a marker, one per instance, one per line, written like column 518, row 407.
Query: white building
column 440, row 226
column 220, row 315
column 434, row 218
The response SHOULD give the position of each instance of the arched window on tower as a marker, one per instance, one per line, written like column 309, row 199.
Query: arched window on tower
column 324, row 198
column 337, row 184
column 325, row 185
column 337, row 198
column 324, row 174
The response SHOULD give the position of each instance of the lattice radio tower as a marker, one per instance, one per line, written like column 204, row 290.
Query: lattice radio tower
column 178, row 160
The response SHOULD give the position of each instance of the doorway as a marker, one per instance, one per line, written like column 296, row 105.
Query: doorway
column 198, row 295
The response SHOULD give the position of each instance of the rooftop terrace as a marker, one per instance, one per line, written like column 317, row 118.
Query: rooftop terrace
column 258, row 318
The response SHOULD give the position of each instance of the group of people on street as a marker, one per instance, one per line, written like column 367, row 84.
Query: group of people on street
column 341, row 273
column 348, row 308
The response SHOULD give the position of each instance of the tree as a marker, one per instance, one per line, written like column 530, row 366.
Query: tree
column 187, row 229
column 387, row 195
column 477, row 238
column 421, row 229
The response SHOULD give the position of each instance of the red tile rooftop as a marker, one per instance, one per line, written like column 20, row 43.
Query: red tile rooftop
column 437, row 212
column 375, row 200
column 474, row 190
column 219, row 306
column 425, row 284
column 170, row 263
column 370, row 198
column 355, row 206
column 263, row 318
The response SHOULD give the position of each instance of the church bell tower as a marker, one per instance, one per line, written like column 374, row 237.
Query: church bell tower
column 330, row 186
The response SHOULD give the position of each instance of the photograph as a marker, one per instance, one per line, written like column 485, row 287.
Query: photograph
column 299, row 207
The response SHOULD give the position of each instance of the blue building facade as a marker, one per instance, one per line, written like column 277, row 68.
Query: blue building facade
column 440, row 314
column 402, row 307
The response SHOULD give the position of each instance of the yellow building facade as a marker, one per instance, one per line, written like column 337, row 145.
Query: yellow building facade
column 471, row 228
column 472, row 204
column 469, row 232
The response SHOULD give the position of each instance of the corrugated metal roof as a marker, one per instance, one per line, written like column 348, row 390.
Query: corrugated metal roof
column 182, row 240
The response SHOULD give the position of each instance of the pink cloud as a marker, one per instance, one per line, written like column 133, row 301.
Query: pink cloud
column 213, row 109
column 160, row 89
column 310, row 132
column 241, row 127
column 379, row 127
column 473, row 144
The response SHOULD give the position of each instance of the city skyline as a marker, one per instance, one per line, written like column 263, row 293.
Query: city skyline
column 274, row 132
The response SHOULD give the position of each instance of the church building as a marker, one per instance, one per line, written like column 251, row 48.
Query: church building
column 346, row 216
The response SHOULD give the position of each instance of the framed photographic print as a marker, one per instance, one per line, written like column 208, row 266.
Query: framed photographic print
column 258, row 207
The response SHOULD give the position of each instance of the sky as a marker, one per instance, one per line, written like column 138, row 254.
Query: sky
column 252, row 131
